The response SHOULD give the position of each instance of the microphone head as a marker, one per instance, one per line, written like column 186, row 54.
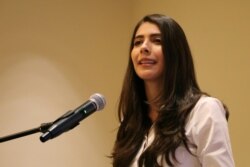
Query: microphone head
column 99, row 101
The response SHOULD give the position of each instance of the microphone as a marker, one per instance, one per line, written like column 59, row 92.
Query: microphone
column 72, row 118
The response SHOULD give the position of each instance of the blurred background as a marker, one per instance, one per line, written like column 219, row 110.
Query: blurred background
column 55, row 54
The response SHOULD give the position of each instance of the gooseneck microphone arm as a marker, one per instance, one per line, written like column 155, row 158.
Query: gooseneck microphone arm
column 42, row 128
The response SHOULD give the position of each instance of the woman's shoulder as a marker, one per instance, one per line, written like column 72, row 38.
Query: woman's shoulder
column 207, row 108
column 208, row 102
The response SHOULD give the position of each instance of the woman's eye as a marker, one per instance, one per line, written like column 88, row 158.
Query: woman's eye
column 137, row 42
column 157, row 40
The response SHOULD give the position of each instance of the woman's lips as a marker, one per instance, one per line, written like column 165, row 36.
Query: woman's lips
column 147, row 61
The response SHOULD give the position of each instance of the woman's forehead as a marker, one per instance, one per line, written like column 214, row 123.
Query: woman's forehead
column 147, row 28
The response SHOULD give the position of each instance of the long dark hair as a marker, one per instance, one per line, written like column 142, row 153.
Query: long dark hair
column 180, row 92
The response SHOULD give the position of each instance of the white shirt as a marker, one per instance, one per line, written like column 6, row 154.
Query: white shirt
column 207, row 128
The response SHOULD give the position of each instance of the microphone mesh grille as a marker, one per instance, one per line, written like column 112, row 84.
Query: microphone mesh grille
column 99, row 100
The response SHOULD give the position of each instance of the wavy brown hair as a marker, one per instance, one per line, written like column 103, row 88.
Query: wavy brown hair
column 180, row 93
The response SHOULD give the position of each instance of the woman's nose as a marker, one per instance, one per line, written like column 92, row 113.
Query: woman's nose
column 145, row 48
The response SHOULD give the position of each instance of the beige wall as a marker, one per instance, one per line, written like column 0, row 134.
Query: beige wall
column 55, row 54
column 218, row 32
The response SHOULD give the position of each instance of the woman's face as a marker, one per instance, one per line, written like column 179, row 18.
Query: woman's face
column 147, row 56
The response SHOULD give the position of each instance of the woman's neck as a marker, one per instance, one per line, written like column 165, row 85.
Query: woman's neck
column 152, row 91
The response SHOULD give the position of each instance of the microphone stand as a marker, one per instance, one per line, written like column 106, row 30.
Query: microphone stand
column 42, row 128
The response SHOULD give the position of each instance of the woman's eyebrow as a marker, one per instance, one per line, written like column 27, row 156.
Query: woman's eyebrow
column 151, row 35
column 156, row 35
column 139, row 36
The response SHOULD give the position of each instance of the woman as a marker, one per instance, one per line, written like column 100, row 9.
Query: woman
column 165, row 119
